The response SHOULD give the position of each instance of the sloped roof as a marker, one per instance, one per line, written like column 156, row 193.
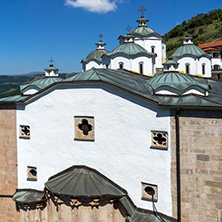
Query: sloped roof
column 189, row 49
column 28, row 196
column 129, row 48
column 210, row 45
column 41, row 83
column 135, row 85
column 82, row 181
column 142, row 31
column 170, row 62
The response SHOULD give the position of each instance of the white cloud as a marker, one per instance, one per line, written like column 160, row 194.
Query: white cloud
column 96, row 6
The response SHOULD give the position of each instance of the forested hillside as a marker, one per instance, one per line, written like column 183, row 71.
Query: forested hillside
column 203, row 28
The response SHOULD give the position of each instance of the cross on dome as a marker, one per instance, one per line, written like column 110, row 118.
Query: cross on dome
column 142, row 10
column 128, row 28
column 51, row 60
column 100, row 36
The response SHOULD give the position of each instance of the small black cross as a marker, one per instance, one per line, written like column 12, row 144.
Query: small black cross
column 51, row 60
column 128, row 28
column 100, row 36
column 142, row 10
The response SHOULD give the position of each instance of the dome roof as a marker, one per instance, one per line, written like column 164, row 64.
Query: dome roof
column 41, row 83
column 177, row 81
column 189, row 49
column 143, row 31
column 96, row 55
column 129, row 48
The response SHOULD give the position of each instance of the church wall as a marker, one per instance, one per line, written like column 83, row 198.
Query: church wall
column 93, row 64
column 195, row 65
column 147, row 65
column 201, row 166
column 8, row 163
column 148, row 42
column 121, row 149
column 126, row 60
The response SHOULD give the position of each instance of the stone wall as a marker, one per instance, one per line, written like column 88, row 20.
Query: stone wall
column 110, row 212
column 201, row 166
column 8, row 163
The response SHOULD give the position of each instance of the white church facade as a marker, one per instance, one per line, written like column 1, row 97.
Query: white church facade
column 117, row 142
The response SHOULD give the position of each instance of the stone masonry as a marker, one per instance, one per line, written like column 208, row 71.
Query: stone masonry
column 8, row 164
column 201, row 166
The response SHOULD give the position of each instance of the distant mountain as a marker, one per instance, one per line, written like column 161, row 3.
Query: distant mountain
column 203, row 28
column 9, row 84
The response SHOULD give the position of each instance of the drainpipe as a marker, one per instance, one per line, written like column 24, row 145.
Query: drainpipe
column 178, row 164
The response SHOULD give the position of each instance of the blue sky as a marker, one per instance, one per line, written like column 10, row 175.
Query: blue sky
column 33, row 31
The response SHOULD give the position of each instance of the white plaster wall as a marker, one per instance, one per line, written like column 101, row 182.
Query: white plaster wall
column 121, row 150
column 132, row 63
column 160, row 48
column 195, row 65
column 171, row 92
column 30, row 91
column 217, row 61
column 92, row 64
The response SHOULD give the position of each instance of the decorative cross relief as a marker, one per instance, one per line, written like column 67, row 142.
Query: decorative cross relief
column 142, row 10
column 24, row 131
column 159, row 139
column 84, row 128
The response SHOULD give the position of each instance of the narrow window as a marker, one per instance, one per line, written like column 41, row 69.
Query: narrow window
column 187, row 67
column 153, row 49
column 107, row 66
column 203, row 68
column 141, row 67
column 218, row 76
column 168, row 67
column 121, row 65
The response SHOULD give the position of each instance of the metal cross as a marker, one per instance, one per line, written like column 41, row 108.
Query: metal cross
column 51, row 60
column 100, row 36
column 128, row 28
column 142, row 10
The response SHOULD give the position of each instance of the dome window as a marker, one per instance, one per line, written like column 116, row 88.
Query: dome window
column 203, row 68
column 141, row 68
column 153, row 49
column 187, row 68
column 121, row 65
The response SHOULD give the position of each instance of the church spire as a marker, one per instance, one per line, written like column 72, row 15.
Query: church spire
column 142, row 21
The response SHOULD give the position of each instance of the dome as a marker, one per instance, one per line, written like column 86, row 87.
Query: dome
column 176, row 81
column 143, row 31
column 96, row 55
column 189, row 49
column 129, row 48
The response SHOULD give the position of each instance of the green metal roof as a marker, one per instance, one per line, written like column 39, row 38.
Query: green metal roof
column 190, row 49
column 28, row 196
column 177, row 81
column 142, row 86
column 82, row 181
column 129, row 48
column 96, row 55
column 41, row 83
column 170, row 62
column 51, row 68
column 142, row 31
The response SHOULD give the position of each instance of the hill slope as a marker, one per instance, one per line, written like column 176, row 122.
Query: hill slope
column 203, row 28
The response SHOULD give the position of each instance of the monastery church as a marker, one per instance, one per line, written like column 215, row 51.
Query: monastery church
column 134, row 137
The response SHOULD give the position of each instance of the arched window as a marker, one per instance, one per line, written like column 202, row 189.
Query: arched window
column 203, row 68
column 187, row 68
column 107, row 66
column 153, row 49
column 121, row 65
column 216, row 67
column 141, row 67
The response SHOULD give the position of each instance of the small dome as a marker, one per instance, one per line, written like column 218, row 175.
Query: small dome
column 129, row 48
column 189, row 49
column 96, row 55
column 143, row 31
column 176, row 81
